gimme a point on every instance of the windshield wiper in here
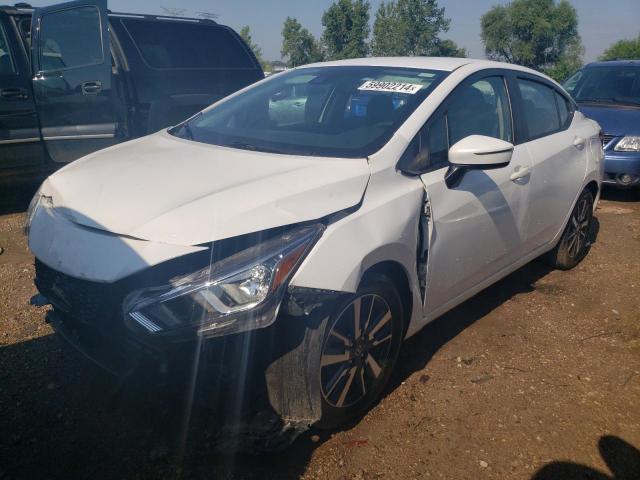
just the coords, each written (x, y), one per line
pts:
(252, 147)
(626, 101)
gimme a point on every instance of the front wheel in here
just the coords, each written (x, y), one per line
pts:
(360, 348)
(575, 242)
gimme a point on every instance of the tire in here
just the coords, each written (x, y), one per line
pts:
(575, 242)
(354, 369)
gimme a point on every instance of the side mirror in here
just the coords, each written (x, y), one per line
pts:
(476, 152)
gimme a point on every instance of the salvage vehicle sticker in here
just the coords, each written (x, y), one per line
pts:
(375, 86)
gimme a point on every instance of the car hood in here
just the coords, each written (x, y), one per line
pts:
(614, 120)
(166, 189)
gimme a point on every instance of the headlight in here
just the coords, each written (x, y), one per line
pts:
(242, 292)
(31, 212)
(628, 144)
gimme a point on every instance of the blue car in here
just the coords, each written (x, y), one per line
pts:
(609, 93)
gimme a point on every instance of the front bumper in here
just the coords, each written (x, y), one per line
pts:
(262, 384)
(622, 169)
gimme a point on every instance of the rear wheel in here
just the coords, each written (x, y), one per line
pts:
(360, 348)
(575, 242)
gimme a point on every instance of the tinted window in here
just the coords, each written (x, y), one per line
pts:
(187, 45)
(481, 108)
(437, 141)
(6, 61)
(540, 110)
(70, 38)
(565, 109)
(328, 111)
(606, 84)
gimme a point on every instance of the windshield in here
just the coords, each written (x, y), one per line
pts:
(324, 111)
(612, 85)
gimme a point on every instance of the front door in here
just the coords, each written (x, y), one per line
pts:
(20, 144)
(478, 226)
(72, 66)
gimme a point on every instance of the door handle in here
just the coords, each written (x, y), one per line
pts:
(91, 88)
(14, 93)
(579, 143)
(520, 172)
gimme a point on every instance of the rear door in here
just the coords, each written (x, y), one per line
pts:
(72, 78)
(20, 144)
(558, 151)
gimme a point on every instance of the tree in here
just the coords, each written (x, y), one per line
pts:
(448, 48)
(623, 50)
(409, 27)
(540, 34)
(245, 33)
(346, 29)
(298, 45)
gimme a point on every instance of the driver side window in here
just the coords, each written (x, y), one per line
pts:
(479, 108)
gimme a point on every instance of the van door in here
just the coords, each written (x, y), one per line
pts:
(20, 144)
(71, 60)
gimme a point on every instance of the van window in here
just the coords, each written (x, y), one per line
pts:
(6, 61)
(481, 108)
(166, 44)
(70, 38)
(539, 106)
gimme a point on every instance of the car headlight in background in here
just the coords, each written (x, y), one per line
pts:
(628, 144)
(239, 293)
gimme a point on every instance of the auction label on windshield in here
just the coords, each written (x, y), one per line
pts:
(375, 86)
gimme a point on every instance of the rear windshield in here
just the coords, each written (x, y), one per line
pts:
(171, 44)
(609, 85)
(324, 111)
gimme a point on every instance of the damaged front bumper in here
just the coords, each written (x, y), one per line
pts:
(263, 385)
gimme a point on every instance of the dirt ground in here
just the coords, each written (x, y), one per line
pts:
(537, 377)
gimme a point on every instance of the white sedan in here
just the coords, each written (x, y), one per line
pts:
(292, 235)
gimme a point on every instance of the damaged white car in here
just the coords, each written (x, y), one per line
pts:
(280, 245)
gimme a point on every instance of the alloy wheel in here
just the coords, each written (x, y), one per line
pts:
(356, 350)
(579, 228)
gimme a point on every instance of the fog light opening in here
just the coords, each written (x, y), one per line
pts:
(627, 179)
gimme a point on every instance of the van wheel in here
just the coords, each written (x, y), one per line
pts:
(575, 242)
(360, 348)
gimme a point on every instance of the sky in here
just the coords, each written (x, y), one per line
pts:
(598, 27)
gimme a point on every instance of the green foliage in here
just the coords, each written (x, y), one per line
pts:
(540, 34)
(346, 28)
(245, 33)
(448, 48)
(623, 49)
(410, 27)
(299, 47)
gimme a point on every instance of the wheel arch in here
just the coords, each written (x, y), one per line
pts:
(398, 275)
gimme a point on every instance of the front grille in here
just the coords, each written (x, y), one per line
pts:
(606, 139)
(92, 303)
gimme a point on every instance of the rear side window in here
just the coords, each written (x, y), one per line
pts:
(540, 108)
(6, 61)
(176, 45)
(70, 38)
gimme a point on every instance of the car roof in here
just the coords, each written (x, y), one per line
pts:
(614, 63)
(447, 64)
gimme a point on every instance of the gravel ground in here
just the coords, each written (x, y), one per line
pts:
(537, 377)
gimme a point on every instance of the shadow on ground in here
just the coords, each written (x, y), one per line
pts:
(622, 458)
